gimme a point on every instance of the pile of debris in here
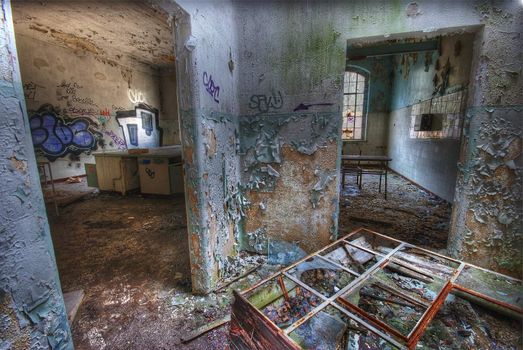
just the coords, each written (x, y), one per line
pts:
(291, 308)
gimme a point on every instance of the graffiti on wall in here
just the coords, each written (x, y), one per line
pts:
(68, 91)
(305, 107)
(136, 96)
(265, 103)
(104, 118)
(117, 140)
(55, 136)
(140, 127)
(211, 87)
(30, 90)
(151, 173)
(82, 111)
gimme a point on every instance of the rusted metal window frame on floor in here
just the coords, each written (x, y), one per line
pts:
(373, 325)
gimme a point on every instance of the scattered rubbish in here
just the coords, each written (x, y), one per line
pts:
(225, 285)
(409, 214)
(73, 179)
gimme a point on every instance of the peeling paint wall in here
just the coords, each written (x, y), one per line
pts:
(257, 65)
(291, 80)
(287, 58)
(289, 172)
(206, 67)
(489, 190)
(487, 218)
(419, 76)
(495, 84)
(32, 312)
(82, 84)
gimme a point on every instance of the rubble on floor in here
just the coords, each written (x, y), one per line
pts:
(130, 256)
(409, 214)
(134, 298)
(368, 291)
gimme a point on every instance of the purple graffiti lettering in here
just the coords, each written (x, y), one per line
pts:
(118, 141)
(264, 103)
(305, 107)
(211, 88)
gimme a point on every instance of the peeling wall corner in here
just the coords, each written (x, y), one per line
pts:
(258, 240)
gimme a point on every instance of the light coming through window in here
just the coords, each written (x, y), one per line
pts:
(354, 103)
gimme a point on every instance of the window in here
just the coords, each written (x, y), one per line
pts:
(354, 105)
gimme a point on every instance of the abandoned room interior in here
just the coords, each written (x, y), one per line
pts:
(234, 174)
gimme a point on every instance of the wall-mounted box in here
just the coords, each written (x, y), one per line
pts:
(430, 122)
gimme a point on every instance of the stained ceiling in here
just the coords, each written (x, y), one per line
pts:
(111, 30)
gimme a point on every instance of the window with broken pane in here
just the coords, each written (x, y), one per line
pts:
(354, 105)
(370, 291)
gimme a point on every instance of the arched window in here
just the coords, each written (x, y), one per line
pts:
(355, 91)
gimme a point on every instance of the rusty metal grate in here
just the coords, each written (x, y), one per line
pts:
(317, 299)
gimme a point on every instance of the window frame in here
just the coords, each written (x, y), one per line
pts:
(366, 89)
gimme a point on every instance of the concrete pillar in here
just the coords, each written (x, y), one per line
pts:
(32, 311)
(206, 78)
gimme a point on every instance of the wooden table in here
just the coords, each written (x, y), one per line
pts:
(380, 163)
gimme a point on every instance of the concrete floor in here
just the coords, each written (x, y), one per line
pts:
(409, 213)
(130, 256)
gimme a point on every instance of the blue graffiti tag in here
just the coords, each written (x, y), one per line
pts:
(54, 137)
(211, 88)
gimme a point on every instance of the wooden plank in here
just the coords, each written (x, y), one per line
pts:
(72, 301)
(251, 330)
(206, 328)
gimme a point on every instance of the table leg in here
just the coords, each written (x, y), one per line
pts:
(386, 173)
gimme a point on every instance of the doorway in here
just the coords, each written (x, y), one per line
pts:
(414, 97)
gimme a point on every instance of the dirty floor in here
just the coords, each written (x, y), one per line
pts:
(130, 256)
(409, 213)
